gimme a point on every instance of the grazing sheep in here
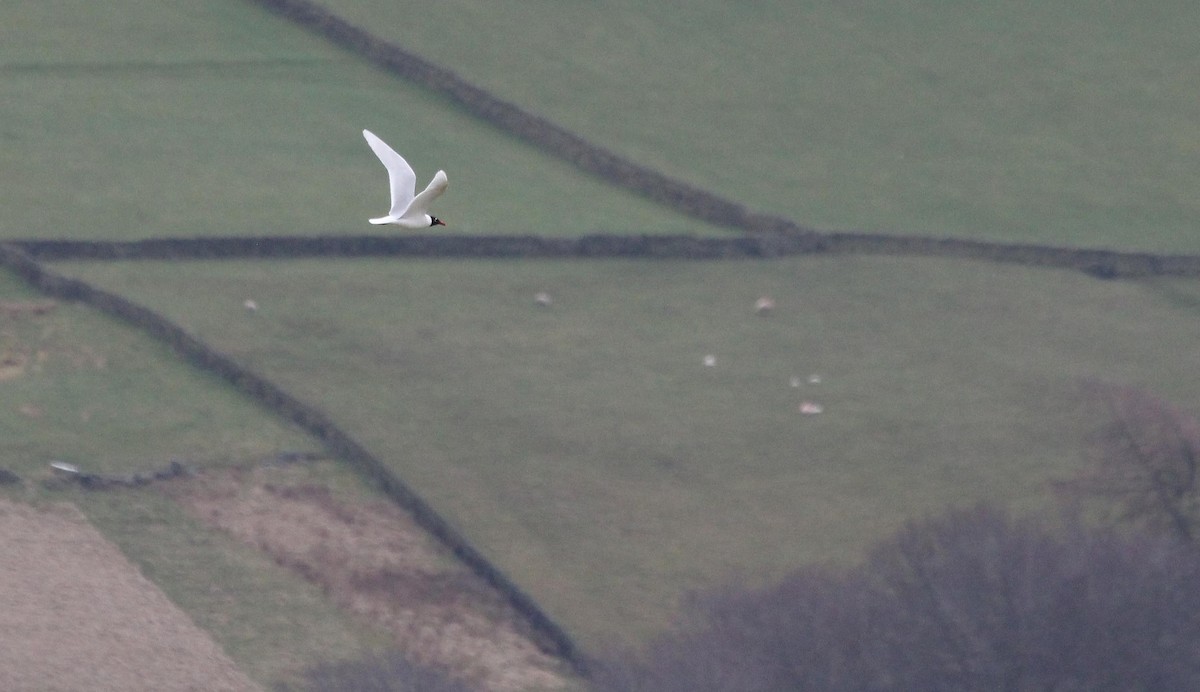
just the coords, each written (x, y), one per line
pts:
(764, 305)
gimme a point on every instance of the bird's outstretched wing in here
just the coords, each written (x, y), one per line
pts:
(420, 204)
(401, 177)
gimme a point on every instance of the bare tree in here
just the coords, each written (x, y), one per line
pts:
(1143, 463)
(974, 600)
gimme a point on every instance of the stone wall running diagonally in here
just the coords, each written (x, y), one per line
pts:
(550, 636)
(623, 172)
(540, 132)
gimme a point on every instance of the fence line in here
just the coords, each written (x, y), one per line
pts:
(191, 349)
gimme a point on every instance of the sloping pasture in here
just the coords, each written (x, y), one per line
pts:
(145, 119)
(1071, 123)
(82, 389)
(585, 446)
(78, 388)
(591, 454)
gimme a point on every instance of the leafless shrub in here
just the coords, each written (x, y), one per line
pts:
(974, 600)
(1142, 463)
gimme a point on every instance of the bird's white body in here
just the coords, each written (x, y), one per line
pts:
(409, 210)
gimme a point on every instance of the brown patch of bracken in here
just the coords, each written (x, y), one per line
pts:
(374, 561)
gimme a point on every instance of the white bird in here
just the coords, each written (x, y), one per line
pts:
(408, 210)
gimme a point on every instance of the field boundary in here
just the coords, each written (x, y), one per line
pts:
(763, 236)
(1105, 264)
(681, 196)
(549, 635)
(543, 134)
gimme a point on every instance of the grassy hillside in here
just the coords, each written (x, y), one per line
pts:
(590, 452)
(142, 119)
(585, 447)
(102, 396)
(1068, 123)
(81, 389)
(269, 620)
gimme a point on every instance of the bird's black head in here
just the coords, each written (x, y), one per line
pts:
(436, 221)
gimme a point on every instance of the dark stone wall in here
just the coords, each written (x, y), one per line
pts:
(340, 444)
(1106, 264)
(788, 236)
(541, 133)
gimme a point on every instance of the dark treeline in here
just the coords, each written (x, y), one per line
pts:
(1144, 464)
(974, 600)
(1107, 599)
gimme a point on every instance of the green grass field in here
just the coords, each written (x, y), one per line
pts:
(1069, 123)
(584, 447)
(1034, 125)
(589, 452)
(225, 120)
(81, 389)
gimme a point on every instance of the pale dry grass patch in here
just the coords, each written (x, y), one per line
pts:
(374, 561)
(78, 616)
